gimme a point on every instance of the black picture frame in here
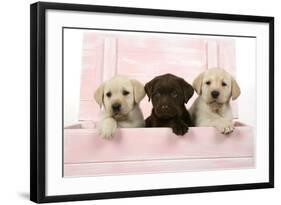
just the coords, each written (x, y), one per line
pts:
(38, 100)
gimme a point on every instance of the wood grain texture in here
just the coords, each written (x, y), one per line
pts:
(85, 146)
(155, 150)
(155, 166)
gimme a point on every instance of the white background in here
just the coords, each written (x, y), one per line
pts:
(14, 62)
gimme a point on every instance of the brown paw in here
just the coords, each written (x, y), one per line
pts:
(180, 128)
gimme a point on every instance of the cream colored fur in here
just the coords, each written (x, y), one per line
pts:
(207, 111)
(130, 114)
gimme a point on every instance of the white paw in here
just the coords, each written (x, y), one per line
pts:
(107, 129)
(226, 128)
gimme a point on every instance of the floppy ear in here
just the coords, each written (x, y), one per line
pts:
(139, 92)
(99, 95)
(188, 90)
(235, 89)
(149, 87)
(197, 83)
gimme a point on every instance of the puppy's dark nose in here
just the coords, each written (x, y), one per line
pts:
(164, 107)
(116, 107)
(215, 94)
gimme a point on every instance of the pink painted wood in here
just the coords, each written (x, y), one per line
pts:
(155, 149)
(155, 166)
(105, 55)
(160, 143)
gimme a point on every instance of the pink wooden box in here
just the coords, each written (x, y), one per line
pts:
(151, 150)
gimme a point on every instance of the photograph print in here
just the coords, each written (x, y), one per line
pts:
(129, 102)
(145, 102)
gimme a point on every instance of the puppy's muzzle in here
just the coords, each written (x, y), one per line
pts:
(165, 111)
(116, 107)
(215, 94)
(164, 107)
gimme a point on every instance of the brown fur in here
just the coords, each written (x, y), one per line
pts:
(169, 94)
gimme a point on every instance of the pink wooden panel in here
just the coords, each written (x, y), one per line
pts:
(155, 63)
(91, 76)
(85, 146)
(189, 54)
(155, 166)
(141, 43)
(155, 150)
(143, 57)
(110, 58)
(212, 53)
(227, 56)
(90, 110)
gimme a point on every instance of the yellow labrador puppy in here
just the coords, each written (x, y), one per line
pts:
(215, 87)
(120, 97)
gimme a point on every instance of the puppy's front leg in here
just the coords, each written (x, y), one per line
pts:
(107, 127)
(148, 122)
(179, 127)
(225, 126)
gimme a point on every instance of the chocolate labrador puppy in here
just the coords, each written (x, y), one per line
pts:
(168, 94)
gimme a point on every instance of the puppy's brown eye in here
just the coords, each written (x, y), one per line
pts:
(208, 83)
(125, 92)
(108, 94)
(223, 84)
(157, 94)
(174, 94)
